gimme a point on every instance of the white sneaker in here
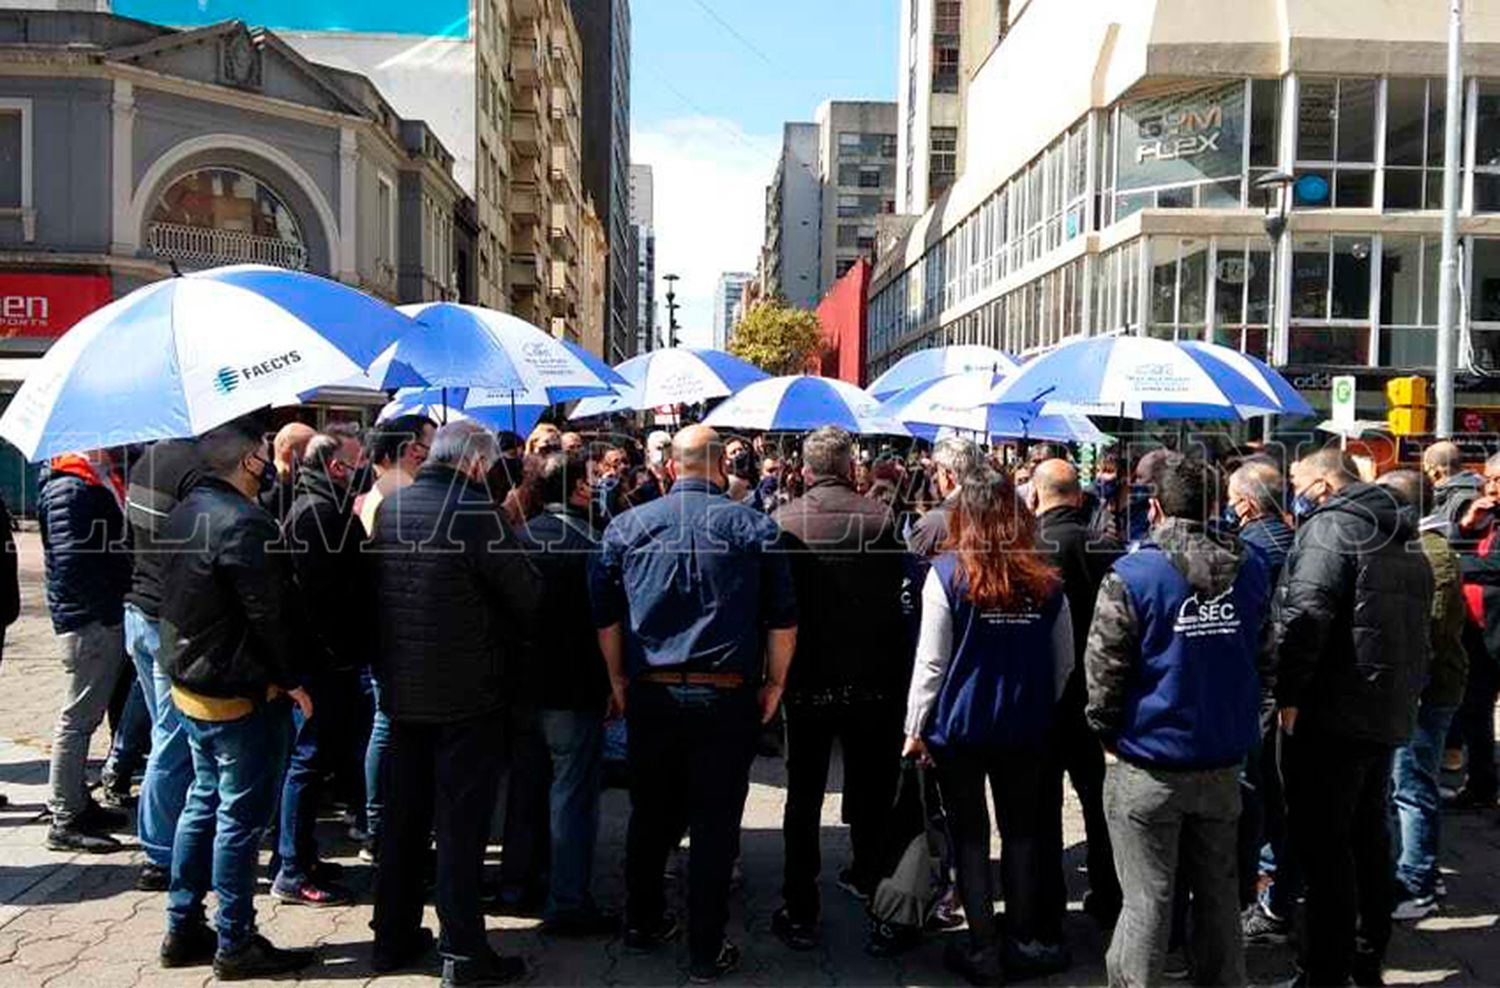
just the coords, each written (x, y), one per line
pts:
(1415, 907)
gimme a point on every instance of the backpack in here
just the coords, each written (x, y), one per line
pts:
(916, 876)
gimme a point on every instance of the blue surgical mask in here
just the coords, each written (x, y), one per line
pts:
(1302, 506)
(1107, 489)
(1139, 512)
(1229, 519)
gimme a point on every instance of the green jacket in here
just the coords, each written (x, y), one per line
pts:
(1450, 662)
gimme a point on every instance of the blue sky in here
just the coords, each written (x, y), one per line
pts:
(712, 83)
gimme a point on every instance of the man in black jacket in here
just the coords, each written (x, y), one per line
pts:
(1063, 530)
(848, 675)
(571, 688)
(324, 540)
(227, 646)
(1351, 631)
(456, 604)
(953, 460)
(88, 571)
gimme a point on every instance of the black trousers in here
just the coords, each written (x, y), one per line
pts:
(1083, 759)
(528, 828)
(869, 736)
(1475, 720)
(1028, 808)
(689, 759)
(443, 778)
(1338, 793)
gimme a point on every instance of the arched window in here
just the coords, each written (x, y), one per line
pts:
(213, 216)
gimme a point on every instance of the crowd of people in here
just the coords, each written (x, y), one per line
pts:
(1251, 669)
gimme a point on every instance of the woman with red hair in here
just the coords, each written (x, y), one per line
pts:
(995, 650)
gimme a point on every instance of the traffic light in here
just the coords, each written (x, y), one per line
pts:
(1406, 400)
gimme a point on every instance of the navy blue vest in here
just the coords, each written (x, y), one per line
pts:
(1001, 689)
(1193, 701)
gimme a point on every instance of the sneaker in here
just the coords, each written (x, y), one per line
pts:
(388, 957)
(76, 839)
(1177, 967)
(665, 931)
(589, 923)
(948, 914)
(1412, 907)
(891, 939)
(116, 797)
(700, 973)
(259, 959)
(367, 853)
(492, 970)
(102, 820)
(1259, 926)
(153, 878)
(190, 947)
(854, 885)
(309, 893)
(796, 935)
(1034, 959)
(1440, 888)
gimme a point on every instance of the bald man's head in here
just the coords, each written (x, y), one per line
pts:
(1442, 460)
(1056, 485)
(697, 451)
(289, 445)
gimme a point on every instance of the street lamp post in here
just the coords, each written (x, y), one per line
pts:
(672, 307)
(1276, 193)
(1448, 282)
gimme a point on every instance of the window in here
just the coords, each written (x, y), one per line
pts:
(1181, 150)
(1331, 286)
(850, 139)
(1178, 288)
(944, 68)
(943, 163)
(221, 216)
(1242, 294)
(871, 177)
(1415, 113)
(1409, 269)
(1336, 143)
(1487, 148)
(385, 220)
(12, 161)
(948, 17)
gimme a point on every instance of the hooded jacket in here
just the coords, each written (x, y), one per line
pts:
(1353, 619)
(1451, 497)
(1178, 649)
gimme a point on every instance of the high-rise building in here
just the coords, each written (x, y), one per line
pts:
(642, 223)
(794, 221)
(727, 296)
(593, 277)
(857, 175)
(928, 107)
(604, 26)
(545, 281)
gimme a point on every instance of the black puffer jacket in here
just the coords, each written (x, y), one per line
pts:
(847, 566)
(224, 624)
(83, 541)
(458, 604)
(1352, 615)
(330, 574)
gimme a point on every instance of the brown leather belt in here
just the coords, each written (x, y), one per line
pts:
(717, 680)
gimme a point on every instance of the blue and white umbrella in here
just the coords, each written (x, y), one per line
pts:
(1289, 400)
(495, 408)
(1134, 377)
(462, 346)
(800, 403)
(927, 365)
(678, 376)
(183, 355)
(956, 401)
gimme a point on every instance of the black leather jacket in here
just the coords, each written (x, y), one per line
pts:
(224, 619)
(330, 573)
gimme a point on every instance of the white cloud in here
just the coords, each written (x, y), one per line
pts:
(710, 183)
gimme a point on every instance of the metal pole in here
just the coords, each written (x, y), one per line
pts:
(1448, 285)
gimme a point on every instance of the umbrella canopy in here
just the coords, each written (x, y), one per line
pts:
(542, 363)
(1134, 377)
(495, 408)
(678, 376)
(926, 365)
(183, 355)
(1289, 400)
(956, 401)
(800, 404)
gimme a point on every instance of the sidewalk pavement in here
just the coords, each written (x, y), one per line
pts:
(76, 919)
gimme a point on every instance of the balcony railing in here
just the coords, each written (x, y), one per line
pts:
(204, 247)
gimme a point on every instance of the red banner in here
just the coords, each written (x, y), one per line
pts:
(48, 304)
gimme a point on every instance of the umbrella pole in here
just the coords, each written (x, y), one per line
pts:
(513, 411)
(445, 406)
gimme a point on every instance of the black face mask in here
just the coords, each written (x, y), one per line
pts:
(266, 478)
(742, 465)
(362, 480)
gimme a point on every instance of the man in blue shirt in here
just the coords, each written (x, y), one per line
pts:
(697, 622)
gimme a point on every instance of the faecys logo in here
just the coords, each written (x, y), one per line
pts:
(227, 379)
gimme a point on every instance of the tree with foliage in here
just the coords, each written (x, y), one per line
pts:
(777, 338)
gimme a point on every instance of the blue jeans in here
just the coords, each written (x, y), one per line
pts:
(236, 773)
(315, 749)
(1416, 804)
(575, 740)
(131, 744)
(376, 756)
(169, 770)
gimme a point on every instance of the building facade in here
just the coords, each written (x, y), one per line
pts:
(604, 26)
(844, 315)
(789, 262)
(857, 150)
(729, 293)
(643, 229)
(1112, 191)
(546, 199)
(928, 109)
(593, 276)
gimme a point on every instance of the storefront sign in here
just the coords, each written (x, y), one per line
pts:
(48, 305)
(1187, 137)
